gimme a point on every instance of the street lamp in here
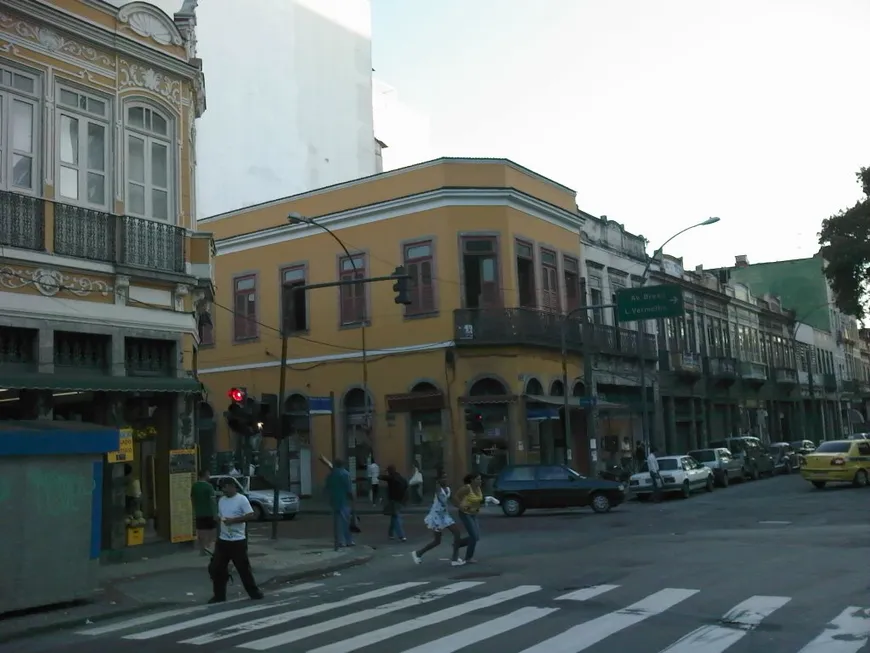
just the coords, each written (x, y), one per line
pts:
(641, 332)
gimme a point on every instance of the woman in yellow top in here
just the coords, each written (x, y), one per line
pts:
(469, 499)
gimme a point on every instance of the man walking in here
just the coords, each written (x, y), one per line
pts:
(339, 492)
(202, 498)
(374, 474)
(397, 490)
(652, 464)
(234, 510)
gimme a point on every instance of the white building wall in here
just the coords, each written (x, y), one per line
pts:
(289, 98)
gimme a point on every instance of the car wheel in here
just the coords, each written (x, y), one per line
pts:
(860, 479)
(709, 486)
(512, 507)
(687, 490)
(787, 469)
(753, 474)
(293, 516)
(258, 511)
(600, 503)
(643, 498)
(819, 484)
(725, 480)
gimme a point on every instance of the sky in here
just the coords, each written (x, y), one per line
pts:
(659, 113)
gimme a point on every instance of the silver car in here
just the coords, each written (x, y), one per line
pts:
(726, 468)
(261, 494)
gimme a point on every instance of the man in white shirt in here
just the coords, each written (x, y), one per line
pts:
(374, 474)
(234, 510)
(652, 464)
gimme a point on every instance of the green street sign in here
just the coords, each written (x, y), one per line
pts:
(649, 303)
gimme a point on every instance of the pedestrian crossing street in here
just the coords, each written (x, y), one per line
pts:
(444, 617)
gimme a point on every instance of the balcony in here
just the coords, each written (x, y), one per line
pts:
(722, 369)
(22, 221)
(829, 383)
(119, 239)
(494, 327)
(785, 376)
(685, 364)
(753, 373)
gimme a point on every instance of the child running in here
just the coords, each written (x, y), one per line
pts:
(438, 520)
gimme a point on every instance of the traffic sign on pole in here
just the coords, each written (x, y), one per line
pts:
(649, 303)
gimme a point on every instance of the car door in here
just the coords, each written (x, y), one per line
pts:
(864, 455)
(555, 487)
(730, 466)
(695, 472)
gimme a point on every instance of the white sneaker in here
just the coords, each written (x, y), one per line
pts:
(417, 559)
(457, 563)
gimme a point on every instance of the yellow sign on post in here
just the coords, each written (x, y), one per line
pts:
(124, 454)
(182, 473)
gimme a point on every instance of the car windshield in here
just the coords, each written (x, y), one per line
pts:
(704, 455)
(260, 483)
(833, 447)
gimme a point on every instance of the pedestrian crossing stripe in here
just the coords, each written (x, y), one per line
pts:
(848, 632)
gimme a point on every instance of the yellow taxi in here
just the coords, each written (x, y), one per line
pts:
(838, 461)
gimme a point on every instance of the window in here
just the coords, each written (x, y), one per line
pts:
(834, 447)
(149, 174)
(526, 275)
(19, 127)
(517, 474)
(550, 298)
(480, 272)
(294, 311)
(245, 308)
(419, 259)
(704, 455)
(353, 296)
(571, 279)
(206, 329)
(552, 474)
(83, 148)
(596, 298)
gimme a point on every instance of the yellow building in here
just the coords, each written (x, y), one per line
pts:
(101, 267)
(493, 250)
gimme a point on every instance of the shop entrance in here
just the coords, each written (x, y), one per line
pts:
(488, 428)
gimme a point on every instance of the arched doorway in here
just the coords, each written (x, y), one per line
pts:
(557, 389)
(490, 436)
(299, 444)
(357, 439)
(206, 428)
(427, 439)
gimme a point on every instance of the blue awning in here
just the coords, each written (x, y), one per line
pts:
(50, 438)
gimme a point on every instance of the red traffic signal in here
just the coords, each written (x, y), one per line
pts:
(237, 395)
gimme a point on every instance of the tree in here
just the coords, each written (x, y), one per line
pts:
(845, 241)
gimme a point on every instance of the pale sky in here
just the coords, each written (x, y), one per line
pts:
(659, 113)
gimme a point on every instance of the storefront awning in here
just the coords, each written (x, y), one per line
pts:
(415, 401)
(575, 402)
(60, 383)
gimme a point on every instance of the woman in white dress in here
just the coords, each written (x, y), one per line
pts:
(439, 520)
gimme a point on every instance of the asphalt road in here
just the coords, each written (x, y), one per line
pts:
(773, 566)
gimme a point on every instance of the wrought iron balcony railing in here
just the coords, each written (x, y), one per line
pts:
(722, 367)
(22, 221)
(786, 375)
(536, 328)
(751, 371)
(126, 240)
(685, 363)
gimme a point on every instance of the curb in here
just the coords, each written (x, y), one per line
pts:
(30, 632)
(362, 513)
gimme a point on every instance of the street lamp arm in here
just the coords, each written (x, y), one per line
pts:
(706, 222)
(298, 219)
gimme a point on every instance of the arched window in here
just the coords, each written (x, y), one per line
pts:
(148, 146)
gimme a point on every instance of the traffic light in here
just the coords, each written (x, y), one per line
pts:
(237, 395)
(242, 412)
(401, 286)
(268, 416)
(473, 420)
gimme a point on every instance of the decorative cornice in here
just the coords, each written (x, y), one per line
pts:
(134, 75)
(50, 282)
(148, 21)
(427, 201)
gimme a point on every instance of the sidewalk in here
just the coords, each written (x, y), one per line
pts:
(181, 578)
(318, 506)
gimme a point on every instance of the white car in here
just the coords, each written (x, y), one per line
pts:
(681, 474)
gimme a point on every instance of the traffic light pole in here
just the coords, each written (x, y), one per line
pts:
(282, 451)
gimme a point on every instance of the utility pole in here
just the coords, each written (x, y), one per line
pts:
(283, 446)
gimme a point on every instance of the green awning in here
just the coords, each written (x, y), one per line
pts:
(61, 383)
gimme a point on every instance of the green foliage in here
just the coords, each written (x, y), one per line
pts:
(845, 241)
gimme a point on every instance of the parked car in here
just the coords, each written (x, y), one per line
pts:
(681, 474)
(726, 468)
(785, 459)
(522, 487)
(859, 436)
(261, 494)
(757, 462)
(838, 461)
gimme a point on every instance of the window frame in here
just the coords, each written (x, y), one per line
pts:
(209, 308)
(84, 118)
(554, 304)
(464, 238)
(150, 138)
(418, 309)
(566, 258)
(253, 322)
(363, 305)
(531, 258)
(8, 95)
(282, 271)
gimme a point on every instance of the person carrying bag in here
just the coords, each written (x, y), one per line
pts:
(415, 485)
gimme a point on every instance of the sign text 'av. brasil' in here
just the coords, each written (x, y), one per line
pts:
(649, 303)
